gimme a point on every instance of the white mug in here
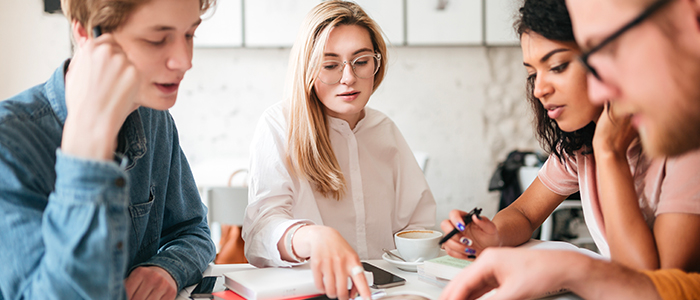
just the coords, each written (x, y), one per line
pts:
(418, 245)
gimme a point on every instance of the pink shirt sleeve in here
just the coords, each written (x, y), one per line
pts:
(680, 190)
(560, 177)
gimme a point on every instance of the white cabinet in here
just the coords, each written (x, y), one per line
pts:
(389, 15)
(222, 26)
(500, 15)
(274, 23)
(444, 22)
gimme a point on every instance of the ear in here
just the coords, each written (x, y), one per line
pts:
(80, 35)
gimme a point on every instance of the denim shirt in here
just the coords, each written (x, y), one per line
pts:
(73, 228)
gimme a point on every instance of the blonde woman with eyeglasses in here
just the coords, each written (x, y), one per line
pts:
(332, 180)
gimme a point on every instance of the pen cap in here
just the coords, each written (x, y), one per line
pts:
(96, 32)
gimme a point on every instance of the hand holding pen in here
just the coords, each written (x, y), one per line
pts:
(467, 219)
(473, 233)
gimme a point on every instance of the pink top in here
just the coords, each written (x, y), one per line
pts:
(664, 185)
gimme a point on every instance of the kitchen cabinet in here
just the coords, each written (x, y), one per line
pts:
(221, 26)
(274, 23)
(389, 14)
(444, 22)
(500, 15)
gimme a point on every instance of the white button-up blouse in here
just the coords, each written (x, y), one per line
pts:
(386, 190)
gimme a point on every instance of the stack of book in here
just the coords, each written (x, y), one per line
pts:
(273, 284)
(231, 295)
(440, 270)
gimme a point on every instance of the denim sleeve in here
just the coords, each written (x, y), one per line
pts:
(186, 246)
(71, 245)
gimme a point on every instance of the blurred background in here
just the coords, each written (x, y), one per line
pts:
(455, 84)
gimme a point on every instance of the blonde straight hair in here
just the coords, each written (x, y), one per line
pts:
(309, 150)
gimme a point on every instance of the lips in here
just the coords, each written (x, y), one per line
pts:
(554, 112)
(349, 96)
(168, 88)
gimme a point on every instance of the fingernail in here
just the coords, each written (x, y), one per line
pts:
(470, 251)
(460, 226)
(471, 256)
(465, 241)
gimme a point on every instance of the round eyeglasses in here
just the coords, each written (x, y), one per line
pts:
(364, 66)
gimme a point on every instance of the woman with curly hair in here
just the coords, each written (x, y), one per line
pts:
(634, 206)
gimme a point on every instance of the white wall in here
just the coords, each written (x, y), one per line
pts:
(464, 106)
(33, 44)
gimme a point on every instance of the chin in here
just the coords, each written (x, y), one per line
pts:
(669, 142)
(349, 108)
(568, 128)
(573, 125)
(160, 102)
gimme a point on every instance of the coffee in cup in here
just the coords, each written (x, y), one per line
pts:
(418, 245)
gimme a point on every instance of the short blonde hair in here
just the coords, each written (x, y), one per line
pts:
(108, 14)
(309, 148)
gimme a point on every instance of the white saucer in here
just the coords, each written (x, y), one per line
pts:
(406, 266)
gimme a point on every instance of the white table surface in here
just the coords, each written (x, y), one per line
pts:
(413, 284)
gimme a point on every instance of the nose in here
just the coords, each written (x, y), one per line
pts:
(600, 92)
(180, 57)
(542, 87)
(348, 75)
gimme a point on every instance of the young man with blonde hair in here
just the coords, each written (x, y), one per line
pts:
(97, 200)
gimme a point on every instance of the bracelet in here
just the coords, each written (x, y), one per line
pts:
(290, 236)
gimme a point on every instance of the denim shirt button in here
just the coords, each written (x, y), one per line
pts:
(119, 245)
(120, 182)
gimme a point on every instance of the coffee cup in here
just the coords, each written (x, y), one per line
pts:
(418, 245)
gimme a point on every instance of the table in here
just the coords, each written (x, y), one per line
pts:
(413, 284)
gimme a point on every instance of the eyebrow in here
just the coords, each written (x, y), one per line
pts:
(168, 28)
(354, 53)
(549, 55)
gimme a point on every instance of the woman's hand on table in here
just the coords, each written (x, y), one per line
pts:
(472, 238)
(332, 261)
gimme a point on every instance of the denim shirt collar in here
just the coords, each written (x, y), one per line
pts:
(55, 89)
(132, 138)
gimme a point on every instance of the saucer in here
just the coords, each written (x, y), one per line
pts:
(406, 266)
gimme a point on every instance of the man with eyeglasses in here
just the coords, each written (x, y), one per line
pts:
(643, 56)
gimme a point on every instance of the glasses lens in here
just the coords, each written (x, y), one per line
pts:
(331, 71)
(365, 66)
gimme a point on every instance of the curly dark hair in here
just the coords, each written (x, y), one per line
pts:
(550, 19)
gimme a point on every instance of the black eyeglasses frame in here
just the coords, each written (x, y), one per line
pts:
(636, 21)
